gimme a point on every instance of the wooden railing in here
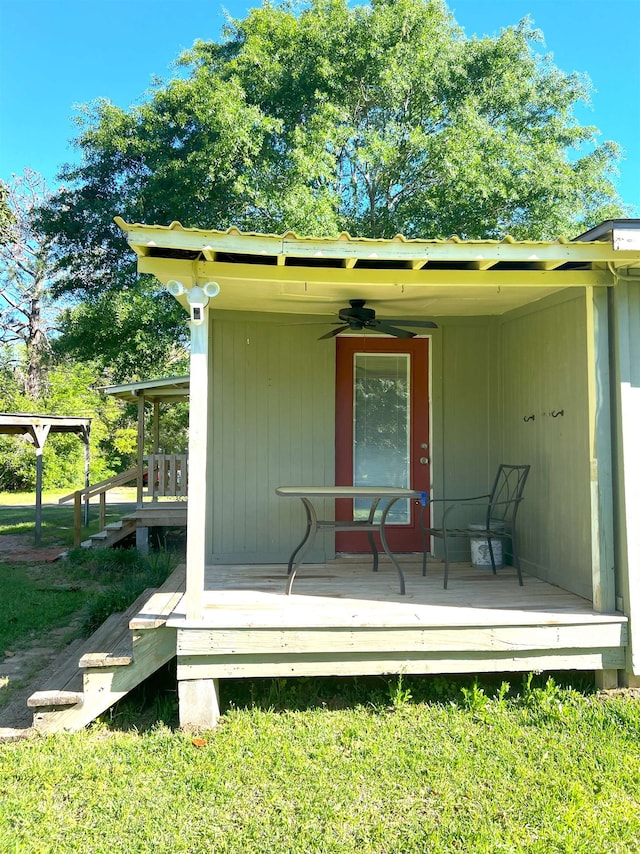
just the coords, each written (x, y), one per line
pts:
(89, 492)
(167, 475)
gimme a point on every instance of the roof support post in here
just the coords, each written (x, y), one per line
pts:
(197, 490)
(600, 468)
(85, 435)
(39, 433)
(625, 298)
(140, 460)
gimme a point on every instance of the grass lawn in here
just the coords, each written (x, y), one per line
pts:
(17, 516)
(384, 765)
(341, 766)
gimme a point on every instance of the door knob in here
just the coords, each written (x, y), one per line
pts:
(424, 460)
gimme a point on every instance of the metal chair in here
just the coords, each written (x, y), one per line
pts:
(502, 505)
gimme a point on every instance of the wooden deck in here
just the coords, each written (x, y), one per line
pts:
(342, 619)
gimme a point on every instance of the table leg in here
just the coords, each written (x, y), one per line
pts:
(372, 543)
(385, 545)
(306, 543)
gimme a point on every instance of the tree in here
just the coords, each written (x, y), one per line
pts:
(7, 218)
(26, 274)
(378, 120)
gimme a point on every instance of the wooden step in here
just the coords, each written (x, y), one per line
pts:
(113, 533)
(109, 646)
(112, 645)
(64, 686)
(53, 699)
(161, 605)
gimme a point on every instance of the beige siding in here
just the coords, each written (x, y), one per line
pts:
(463, 397)
(544, 370)
(272, 424)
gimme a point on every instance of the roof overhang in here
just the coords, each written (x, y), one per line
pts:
(166, 390)
(308, 275)
(23, 424)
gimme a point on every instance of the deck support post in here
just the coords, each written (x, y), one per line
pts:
(142, 539)
(199, 703)
(606, 680)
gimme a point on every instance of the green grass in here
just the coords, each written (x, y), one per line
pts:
(34, 602)
(484, 769)
(364, 765)
(17, 516)
(95, 583)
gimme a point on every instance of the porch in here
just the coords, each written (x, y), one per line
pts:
(341, 620)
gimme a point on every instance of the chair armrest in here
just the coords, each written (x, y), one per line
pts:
(457, 500)
(457, 505)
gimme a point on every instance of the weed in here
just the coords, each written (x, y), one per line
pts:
(475, 699)
(398, 694)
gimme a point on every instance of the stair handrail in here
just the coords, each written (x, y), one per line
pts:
(88, 492)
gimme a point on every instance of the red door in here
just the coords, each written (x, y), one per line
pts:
(382, 431)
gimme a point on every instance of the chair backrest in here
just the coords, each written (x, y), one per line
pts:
(506, 495)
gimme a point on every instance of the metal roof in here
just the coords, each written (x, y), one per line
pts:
(289, 273)
(168, 389)
(21, 423)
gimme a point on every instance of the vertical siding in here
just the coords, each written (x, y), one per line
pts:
(464, 382)
(544, 370)
(272, 424)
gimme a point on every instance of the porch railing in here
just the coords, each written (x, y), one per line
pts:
(167, 476)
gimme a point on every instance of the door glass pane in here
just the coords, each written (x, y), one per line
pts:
(381, 427)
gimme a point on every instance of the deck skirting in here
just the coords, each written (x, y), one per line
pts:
(215, 653)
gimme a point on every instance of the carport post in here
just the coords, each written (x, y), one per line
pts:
(39, 434)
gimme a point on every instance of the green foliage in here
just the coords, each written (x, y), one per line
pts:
(138, 333)
(7, 217)
(128, 574)
(68, 390)
(374, 119)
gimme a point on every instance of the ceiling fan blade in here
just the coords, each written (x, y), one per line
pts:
(332, 333)
(381, 326)
(424, 324)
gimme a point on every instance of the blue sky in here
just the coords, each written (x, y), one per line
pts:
(58, 54)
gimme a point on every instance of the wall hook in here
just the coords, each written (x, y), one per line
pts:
(529, 418)
(557, 412)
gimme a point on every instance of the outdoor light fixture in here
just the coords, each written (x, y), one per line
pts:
(212, 289)
(176, 289)
(197, 297)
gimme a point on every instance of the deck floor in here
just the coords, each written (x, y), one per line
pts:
(343, 619)
(347, 593)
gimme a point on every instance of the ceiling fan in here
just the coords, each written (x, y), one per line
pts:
(357, 318)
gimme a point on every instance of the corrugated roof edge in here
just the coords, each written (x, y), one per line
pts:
(343, 236)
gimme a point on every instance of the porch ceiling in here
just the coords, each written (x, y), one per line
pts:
(307, 275)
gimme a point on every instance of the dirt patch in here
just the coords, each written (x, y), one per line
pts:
(19, 548)
(26, 670)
